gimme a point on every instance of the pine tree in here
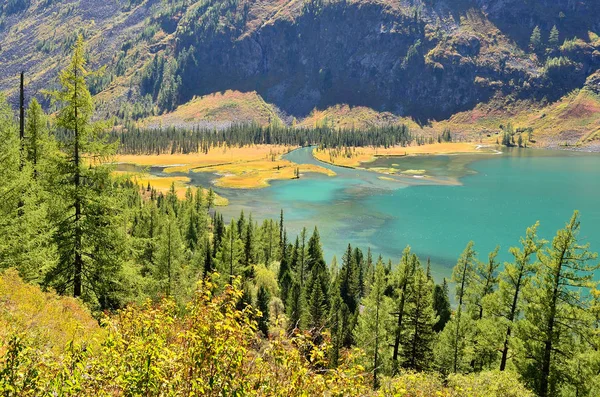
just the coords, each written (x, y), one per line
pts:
(555, 312)
(418, 336)
(88, 206)
(373, 333)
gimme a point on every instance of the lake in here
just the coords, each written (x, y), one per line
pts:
(490, 199)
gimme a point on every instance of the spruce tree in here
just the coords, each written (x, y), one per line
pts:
(402, 279)
(209, 265)
(554, 37)
(369, 272)
(336, 323)
(294, 306)
(349, 290)
(535, 40)
(441, 306)
(262, 302)
(317, 286)
(284, 277)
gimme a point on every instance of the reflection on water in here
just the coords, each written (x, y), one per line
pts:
(499, 196)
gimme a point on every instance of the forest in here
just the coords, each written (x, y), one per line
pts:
(169, 298)
(135, 140)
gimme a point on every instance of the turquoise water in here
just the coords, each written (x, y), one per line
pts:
(499, 197)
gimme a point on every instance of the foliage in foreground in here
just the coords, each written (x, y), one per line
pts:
(211, 349)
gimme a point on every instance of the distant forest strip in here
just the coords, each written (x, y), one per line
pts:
(134, 140)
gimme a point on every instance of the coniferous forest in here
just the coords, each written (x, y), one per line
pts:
(111, 289)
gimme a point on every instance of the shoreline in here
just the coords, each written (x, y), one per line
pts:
(366, 157)
(254, 171)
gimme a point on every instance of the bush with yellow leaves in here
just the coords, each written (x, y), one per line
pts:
(212, 349)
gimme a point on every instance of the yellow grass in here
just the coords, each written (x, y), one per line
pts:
(163, 184)
(367, 154)
(221, 107)
(257, 174)
(49, 321)
(242, 168)
(215, 156)
(347, 117)
(574, 118)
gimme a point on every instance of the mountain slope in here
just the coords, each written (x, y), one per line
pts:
(423, 59)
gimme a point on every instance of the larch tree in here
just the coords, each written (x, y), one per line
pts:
(40, 148)
(485, 336)
(169, 255)
(516, 276)
(418, 336)
(230, 254)
(454, 347)
(24, 232)
(87, 211)
(374, 329)
(556, 315)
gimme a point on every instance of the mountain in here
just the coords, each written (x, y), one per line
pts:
(427, 60)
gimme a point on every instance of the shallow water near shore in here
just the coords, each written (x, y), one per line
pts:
(488, 198)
